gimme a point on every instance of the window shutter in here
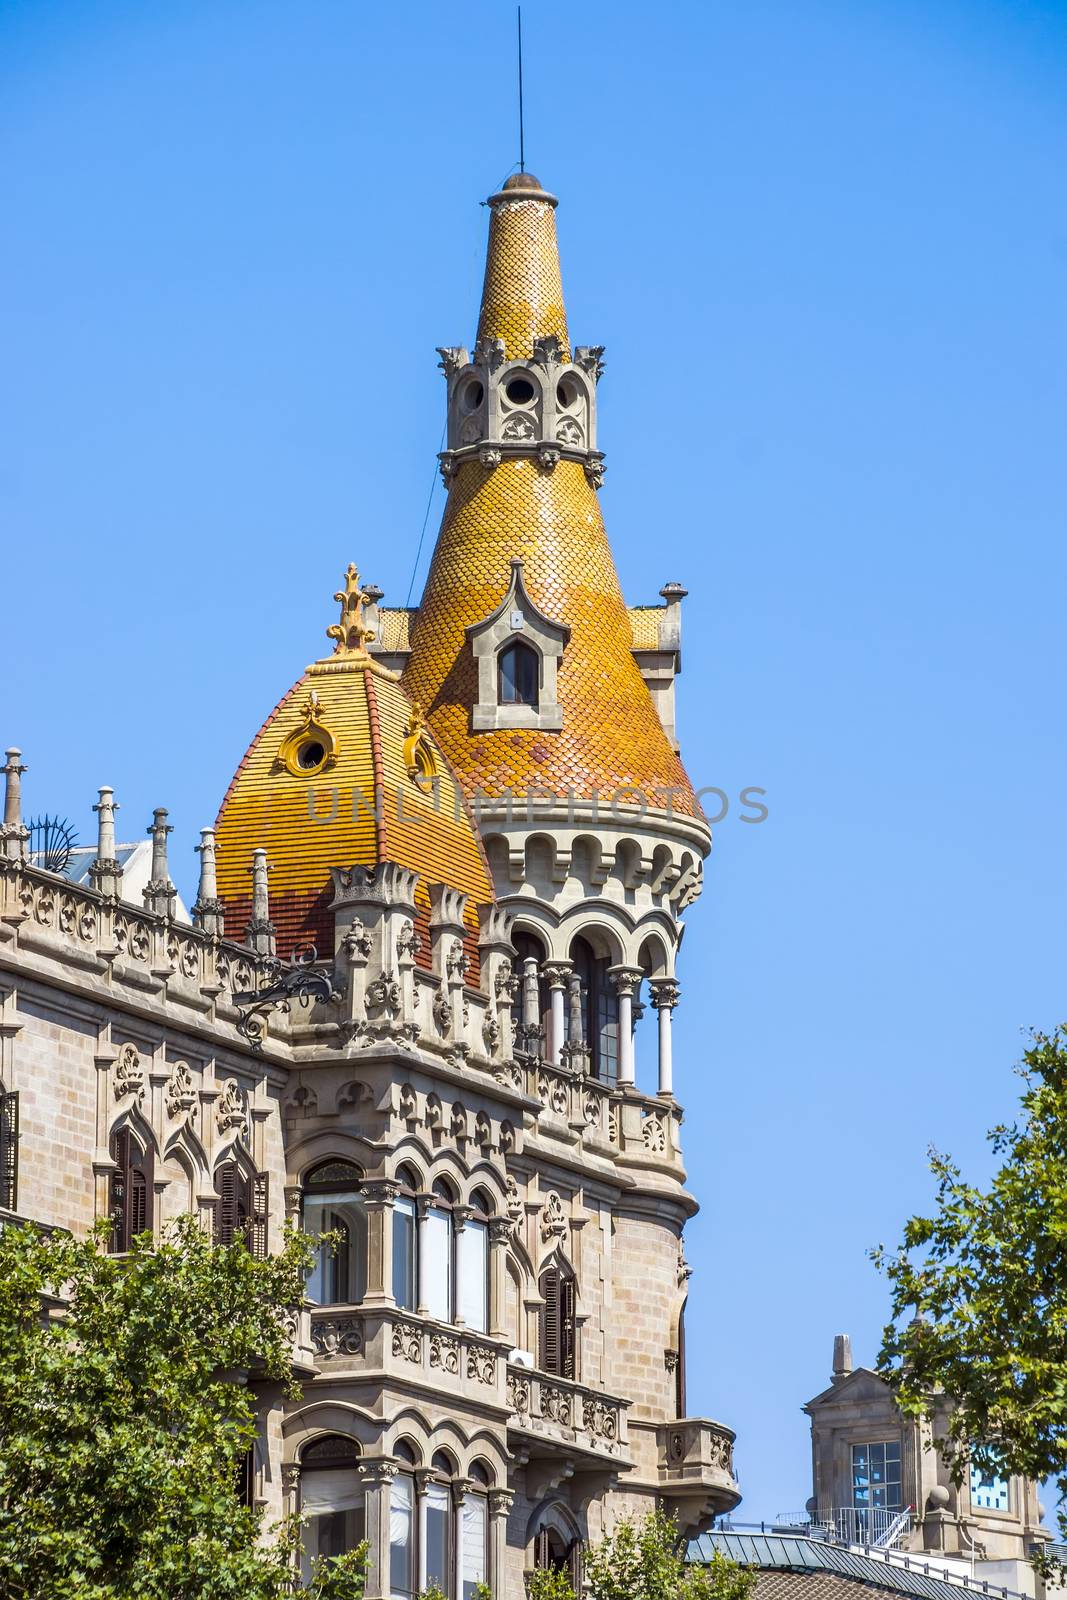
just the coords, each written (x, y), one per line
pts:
(260, 1200)
(137, 1209)
(9, 1151)
(226, 1204)
(574, 1565)
(542, 1551)
(119, 1191)
(550, 1329)
(566, 1328)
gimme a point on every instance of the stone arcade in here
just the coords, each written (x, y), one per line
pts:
(475, 812)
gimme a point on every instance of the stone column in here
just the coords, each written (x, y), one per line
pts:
(105, 874)
(290, 1488)
(500, 1232)
(500, 1503)
(259, 934)
(556, 975)
(207, 910)
(378, 1197)
(665, 993)
(377, 1479)
(531, 1006)
(13, 835)
(160, 893)
(626, 981)
(422, 1288)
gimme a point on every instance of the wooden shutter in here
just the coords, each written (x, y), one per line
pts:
(550, 1321)
(119, 1191)
(138, 1201)
(567, 1329)
(574, 1564)
(542, 1551)
(226, 1180)
(257, 1237)
(9, 1151)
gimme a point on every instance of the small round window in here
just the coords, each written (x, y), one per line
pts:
(473, 395)
(310, 755)
(520, 391)
(566, 393)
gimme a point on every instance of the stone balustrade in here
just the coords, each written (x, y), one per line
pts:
(348, 1338)
(560, 1410)
(696, 1469)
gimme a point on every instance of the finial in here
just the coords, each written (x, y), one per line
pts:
(208, 909)
(842, 1356)
(105, 874)
(160, 893)
(259, 934)
(13, 834)
(351, 632)
(416, 721)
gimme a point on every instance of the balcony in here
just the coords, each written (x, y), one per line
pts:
(563, 1430)
(696, 1471)
(377, 1342)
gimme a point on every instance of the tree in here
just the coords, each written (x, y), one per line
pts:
(124, 1419)
(979, 1292)
(646, 1561)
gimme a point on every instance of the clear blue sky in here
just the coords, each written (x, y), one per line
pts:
(824, 244)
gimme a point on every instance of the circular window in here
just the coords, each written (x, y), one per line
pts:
(566, 393)
(520, 391)
(310, 755)
(473, 395)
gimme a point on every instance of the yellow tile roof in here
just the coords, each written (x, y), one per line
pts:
(394, 628)
(522, 295)
(644, 626)
(308, 824)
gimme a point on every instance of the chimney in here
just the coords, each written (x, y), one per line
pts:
(842, 1357)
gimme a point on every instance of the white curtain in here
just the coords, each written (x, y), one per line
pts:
(401, 1543)
(473, 1565)
(473, 1252)
(435, 1251)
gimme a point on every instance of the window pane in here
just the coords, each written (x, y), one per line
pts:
(435, 1549)
(401, 1543)
(339, 1276)
(473, 1565)
(333, 1501)
(404, 1283)
(473, 1249)
(436, 1248)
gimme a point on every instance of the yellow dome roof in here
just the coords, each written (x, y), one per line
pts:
(611, 735)
(343, 773)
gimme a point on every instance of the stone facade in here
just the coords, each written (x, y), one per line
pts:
(493, 1360)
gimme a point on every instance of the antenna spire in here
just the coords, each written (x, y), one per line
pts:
(522, 130)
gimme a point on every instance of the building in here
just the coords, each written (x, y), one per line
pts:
(879, 1480)
(465, 839)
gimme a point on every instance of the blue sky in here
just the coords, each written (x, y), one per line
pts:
(824, 244)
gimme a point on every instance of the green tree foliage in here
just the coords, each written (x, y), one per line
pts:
(646, 1561)
(124, 1419)
(979, 1292)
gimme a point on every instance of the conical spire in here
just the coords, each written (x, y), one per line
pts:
(522, 470)
(522, 297)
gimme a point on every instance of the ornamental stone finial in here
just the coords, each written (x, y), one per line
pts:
(351, 632)
(208, 909)
(160, 894)
(105, 874)
(259, 934)
(13, 834)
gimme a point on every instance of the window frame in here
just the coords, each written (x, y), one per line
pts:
(248, 1206)
(313, 1459)
(526, 674)
(130, 1190)
(352, 1258)
(557, 1322)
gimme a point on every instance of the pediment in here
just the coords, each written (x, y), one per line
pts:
(517, 613)
(863, 1386)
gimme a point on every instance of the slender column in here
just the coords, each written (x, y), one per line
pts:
(377, 1479)
(14, 835)
(665, 994)
(556, 974)
(259, 934)
(500, 1232)
(160, 893)
(531, 1007)
(626, 981)
(207, 911)
(422, 1256)
(378, 1197)
(105, 874)
(500, 1503)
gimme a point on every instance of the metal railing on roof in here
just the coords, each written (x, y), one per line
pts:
(874, 1527)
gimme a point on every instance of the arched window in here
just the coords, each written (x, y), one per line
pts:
(528, 947)
(554, 1553)
(472, 1259)
(518, 672)
(474, 1532)
(558, 1331)
(437, 1253)
(332, 1205)
(406, 1241)
(130, 1190)
(437, 1561)
(241, 1207)
(402, 1526)
(436, 1537)
(600, 1011)
(332, 1499)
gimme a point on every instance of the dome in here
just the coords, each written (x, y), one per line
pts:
(344, 773)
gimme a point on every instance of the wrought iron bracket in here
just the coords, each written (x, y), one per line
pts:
(284, 982)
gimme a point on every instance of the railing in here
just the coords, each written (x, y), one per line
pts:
(400, 1341)
(874, 1527)
(559, 1408)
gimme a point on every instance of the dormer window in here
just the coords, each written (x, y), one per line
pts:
(517, 675)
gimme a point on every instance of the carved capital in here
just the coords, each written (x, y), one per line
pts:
(556, 973)
(501, 1502)
(664, 992)
(625, 980)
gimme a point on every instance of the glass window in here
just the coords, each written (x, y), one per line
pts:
(332, 1499)
(876, 1480)
(474, 1524)
(405, 1241)
(600, 1011)
(436, 1254)
(436, 1513)
(332, 1204)
(473, 1263)
(988, 1492)
(401, 1538)
(519, 670)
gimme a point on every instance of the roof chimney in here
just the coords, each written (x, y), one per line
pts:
(842, 1357)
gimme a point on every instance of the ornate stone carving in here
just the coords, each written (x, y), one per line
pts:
(553, 1218)
(336, 1336)
(459, 1128)
(519, 426)
(442, 1011)
(408, 942)
(456, 960)
(453, 359)
(506, 984)
(231, 1113)
(590, 357)
(180, 1097)
(552, 1092)
(654, 1134)
(490, 1032)
(385, 992)
(685, 1271)
(357, 941)
(408, 1105)
(547, 349)
(481, 1364)
(489, 457)
(594, 471)
(569, 432)
(506, 1140)
(490, 353)
(353, 1094)
(407, 1342)
(548, 457)
(670, 1360)
(483, 1132)
(444, 1352)
(557, 1404)
(518, 1393)
(600, 1419)
(129, 1074)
